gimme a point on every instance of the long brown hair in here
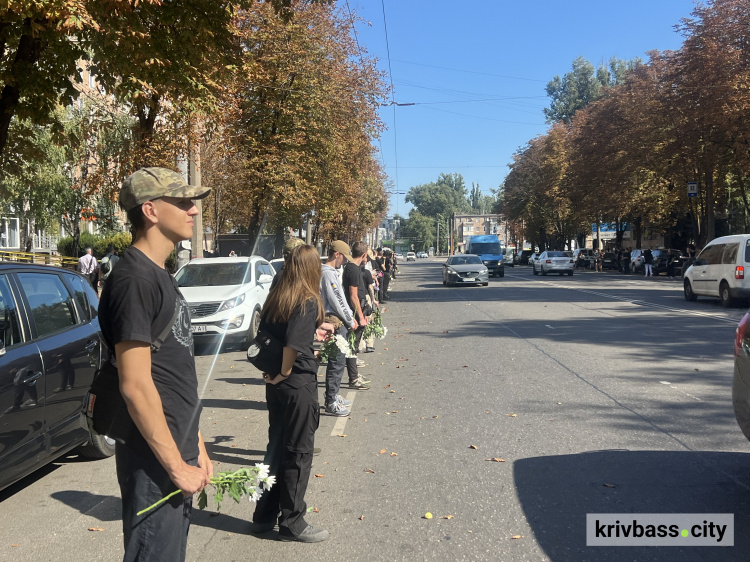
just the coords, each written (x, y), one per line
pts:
(300, 282)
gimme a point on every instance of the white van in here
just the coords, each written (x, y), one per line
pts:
(720, 270)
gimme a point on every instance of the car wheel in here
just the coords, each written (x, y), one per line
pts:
(726, 296)
(689, 294)
(542, 269)
(533, 270)
(98, 447)
(253, 331)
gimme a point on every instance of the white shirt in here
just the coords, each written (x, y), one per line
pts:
(87, 264)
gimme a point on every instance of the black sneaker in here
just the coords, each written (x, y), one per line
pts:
(310, 534)
(260, 528)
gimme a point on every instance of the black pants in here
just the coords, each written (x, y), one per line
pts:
(386, 282)
(293, 415)
(160, 534)
(351, 362)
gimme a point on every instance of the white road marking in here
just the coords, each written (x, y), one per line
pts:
(340, 425)
(548, 326)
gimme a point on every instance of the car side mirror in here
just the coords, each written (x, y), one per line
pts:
(265, 278)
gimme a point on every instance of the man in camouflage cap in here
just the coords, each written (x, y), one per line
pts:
(164, 449)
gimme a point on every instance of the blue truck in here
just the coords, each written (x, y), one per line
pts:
(489, 250)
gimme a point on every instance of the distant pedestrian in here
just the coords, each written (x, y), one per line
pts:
(598, 261)
(88, 266)
(232, 254)
(355, 293)
(626, 261)
(648, 260)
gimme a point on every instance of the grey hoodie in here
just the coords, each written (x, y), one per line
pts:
(333, 296)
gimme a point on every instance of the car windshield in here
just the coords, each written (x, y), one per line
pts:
(465, 260)
(486, 248)
(214, 274)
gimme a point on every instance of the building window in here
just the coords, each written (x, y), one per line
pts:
(9, 233)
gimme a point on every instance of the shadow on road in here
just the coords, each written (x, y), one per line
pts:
(103, 508)
(232, 404)
(557, 492)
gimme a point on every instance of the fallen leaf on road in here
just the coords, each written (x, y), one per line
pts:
(316, 510)
(512, 415)
(369, 471)
(465, 366)
(428, 515)
(394, 454)
(95, 529)
(385, 348)
(393, 391)
(559, 403)
(421, 418)
(343, 435)
(487, 412)
(609, 485)
(434, 417)
(517, 537)
(382, 451)
(320, 476)
(387, 413)
(14, 545)
(473, 447)
(495, 459)
(395, 411)
(234, 445)
(447, 517)
(387, 386)
(361, 517)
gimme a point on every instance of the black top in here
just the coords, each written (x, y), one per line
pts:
(298, 333)
(353, 278)
(366, 277)
(137, 303)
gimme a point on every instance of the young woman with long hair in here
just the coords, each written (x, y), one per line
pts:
(292, 313)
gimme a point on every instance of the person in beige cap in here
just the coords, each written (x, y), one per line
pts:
(164, 449)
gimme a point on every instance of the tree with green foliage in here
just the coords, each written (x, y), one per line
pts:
(445, 196)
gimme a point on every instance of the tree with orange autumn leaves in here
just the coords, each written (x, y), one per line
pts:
(293, 141)
(627, 156)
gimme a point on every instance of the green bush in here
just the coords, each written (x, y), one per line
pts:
(121, 241)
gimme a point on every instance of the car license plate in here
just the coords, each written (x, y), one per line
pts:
(198, 328)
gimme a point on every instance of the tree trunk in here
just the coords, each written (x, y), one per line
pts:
(279, 241)
(710, 218)
(638, 231)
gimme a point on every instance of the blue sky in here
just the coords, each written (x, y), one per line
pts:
(456, 53)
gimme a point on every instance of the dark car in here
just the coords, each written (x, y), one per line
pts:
(523, 257)
(609, 260)
(50, 350)
(668, 262)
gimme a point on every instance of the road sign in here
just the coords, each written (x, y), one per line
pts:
(692, 189)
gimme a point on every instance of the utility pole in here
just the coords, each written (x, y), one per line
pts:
(437, 244)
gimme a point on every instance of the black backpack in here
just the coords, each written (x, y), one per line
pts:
(106, 411)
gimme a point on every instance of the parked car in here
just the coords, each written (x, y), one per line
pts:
(741, 382)
(523, 257)
(465, 268)
(422, 254)
(719, 270)
(609, 260)
(667, 261)
(225, 296)
(553, 262)
(587, 257)
(411, 256)
(50, 350)
(399, 256)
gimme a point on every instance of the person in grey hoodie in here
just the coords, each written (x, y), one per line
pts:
(340, 315)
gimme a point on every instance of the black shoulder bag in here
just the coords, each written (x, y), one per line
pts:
(106, 411)
(266, 352)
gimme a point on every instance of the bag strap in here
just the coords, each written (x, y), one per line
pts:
(157, 343)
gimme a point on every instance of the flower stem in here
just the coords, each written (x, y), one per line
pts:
(161, 501)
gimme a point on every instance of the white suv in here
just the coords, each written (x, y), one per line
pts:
(411, 256)
(720, 270)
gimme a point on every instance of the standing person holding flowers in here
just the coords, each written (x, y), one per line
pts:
(164, 450)
(292, 313)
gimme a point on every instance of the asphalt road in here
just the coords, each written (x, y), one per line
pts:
(600, 393)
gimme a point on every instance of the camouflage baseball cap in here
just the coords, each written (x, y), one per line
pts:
(290, 245)
(148, 184)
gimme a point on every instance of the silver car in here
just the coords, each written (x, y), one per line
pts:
(465, 269)
(554, 262)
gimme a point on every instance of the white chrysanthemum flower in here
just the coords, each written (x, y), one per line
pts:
(262, 470)
(268, 482)
(254, 497)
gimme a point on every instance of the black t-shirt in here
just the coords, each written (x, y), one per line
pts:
(366, 277)
(138, 301)
(353, 278)
(299, 334)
